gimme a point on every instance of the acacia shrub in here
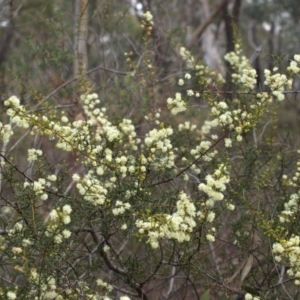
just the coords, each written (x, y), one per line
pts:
(173, 209)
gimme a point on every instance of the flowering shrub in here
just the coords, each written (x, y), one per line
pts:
(142, 214)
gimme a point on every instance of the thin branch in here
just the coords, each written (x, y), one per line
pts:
(171, 284)
(8, 33)
(191, 164)
(199, 31)
(214, 258)
(75, 79)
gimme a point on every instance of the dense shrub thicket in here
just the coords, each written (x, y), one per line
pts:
(165, 207)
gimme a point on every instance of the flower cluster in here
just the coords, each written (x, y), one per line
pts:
(290, 251)
(120, 208)
(148, 16)
(250, 297)
(186, 126)
(187, 57)
(160, 148)
(48, 286)
(38, 187)
(33, 154)
(293, 67)
(243, 74)
(290, 208)
(105, 287)
(105, 134)
(277, 82)
(177, 104)
(11, 295)
(147, 22)
(56, 220)
(215, 185)
(5, 132)
(49, 289)
(16, 112)
(91, 188)
(177, 226)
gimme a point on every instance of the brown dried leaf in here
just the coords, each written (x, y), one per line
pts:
(246, 269)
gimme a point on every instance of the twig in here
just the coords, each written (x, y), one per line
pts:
(75, 79)
(191, 164)
(171, 284)
(199, 31)
(213, 254)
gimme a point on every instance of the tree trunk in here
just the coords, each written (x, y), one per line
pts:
(208, 41)
(81, 35)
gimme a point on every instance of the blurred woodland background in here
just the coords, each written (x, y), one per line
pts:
(44, 45)
(42, 42)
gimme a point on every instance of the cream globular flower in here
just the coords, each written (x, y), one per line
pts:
(104, 285)
(148, 16)
(27, 242)
(293, 67)
(124, 227)
(124, 298)
(17, 112)
(215, 185)
(13, 101)
(66, 233)
(210, 238)
(66, 219)
(33, 154)
(11, 295)
(56, 220)
(16, 250)
(228, 142)
(106, 248)
(277, 83)
(239, 138)
(278, 248)
(210, 217)
(187, 56)
(44, 197)
(120, 208)
(187, 76)
(248, 296)
(38, 188)
(76, 177)
(177, 104)
(190, 93)
(186, 126)
(297, 58)
(52, 177)
(64, 119)
(5, 132)
(67, 209)
(230, 206)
